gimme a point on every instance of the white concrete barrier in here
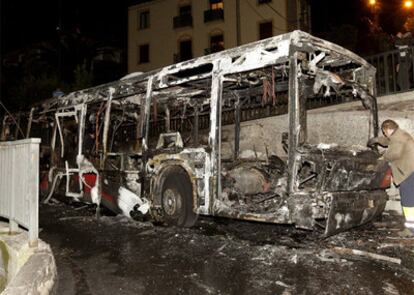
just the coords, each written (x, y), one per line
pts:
(19, 185)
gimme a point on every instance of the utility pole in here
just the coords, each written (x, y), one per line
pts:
(59, 32)
(238, 33)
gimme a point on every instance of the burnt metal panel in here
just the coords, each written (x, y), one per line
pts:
(350, 209)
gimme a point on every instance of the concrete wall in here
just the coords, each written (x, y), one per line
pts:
(346, 125)
(399, 107)
(343, 128)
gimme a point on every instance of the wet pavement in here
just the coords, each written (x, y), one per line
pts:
(116, 255)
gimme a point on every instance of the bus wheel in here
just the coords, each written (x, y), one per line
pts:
(176, 199)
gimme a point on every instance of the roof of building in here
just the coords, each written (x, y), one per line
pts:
(137, 2)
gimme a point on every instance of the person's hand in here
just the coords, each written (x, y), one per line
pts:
(373, 141)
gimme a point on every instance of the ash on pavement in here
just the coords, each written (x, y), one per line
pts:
(116, 255)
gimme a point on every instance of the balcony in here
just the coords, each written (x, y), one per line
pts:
(207, 51)
(179, 57)
(213, 49)
(213, 14)
(185, 20)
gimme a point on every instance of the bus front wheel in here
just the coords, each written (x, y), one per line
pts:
(177, 199)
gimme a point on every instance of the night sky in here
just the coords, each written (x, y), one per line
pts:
(26, 22)
(324, 16)
(327, 14)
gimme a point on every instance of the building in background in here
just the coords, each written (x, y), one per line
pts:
(163, 32)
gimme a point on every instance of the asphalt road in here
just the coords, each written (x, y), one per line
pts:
(115, 255)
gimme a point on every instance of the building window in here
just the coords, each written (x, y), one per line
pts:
(185, 10)
(143, 20)
(216, 43)
(265, 30)
(143, 53)
(186, 50)
(264, 1)
(184, 18)
(216, 4)
(215, 11)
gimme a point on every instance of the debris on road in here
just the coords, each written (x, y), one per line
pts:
(264, 259)
(347, 251)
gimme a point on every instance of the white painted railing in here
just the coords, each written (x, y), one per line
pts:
(19, 185)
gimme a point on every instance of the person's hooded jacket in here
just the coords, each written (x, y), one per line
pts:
(400, 154)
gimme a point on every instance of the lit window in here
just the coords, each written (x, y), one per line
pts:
(143, 53)
(216, 5)
(144, 20)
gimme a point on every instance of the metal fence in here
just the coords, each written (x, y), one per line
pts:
(394, 71)
(19, 185)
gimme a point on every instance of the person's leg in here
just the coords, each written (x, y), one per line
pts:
(405, 78)
(407, 201)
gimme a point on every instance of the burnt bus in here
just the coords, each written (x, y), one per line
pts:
(232, 134)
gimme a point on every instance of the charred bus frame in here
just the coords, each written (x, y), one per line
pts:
(175, 179)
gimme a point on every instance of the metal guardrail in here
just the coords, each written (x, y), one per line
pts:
(392, 78)
(19, 185)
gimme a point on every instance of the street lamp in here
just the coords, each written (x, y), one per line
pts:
(374, 5)
(408, 4)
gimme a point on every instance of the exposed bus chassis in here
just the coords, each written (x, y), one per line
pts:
(171, 143)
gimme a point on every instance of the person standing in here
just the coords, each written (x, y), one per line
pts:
(400, 155)
(404, 42)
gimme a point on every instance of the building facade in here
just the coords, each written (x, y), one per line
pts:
(163, 32)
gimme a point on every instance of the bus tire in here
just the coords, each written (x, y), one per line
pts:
(177, 199)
